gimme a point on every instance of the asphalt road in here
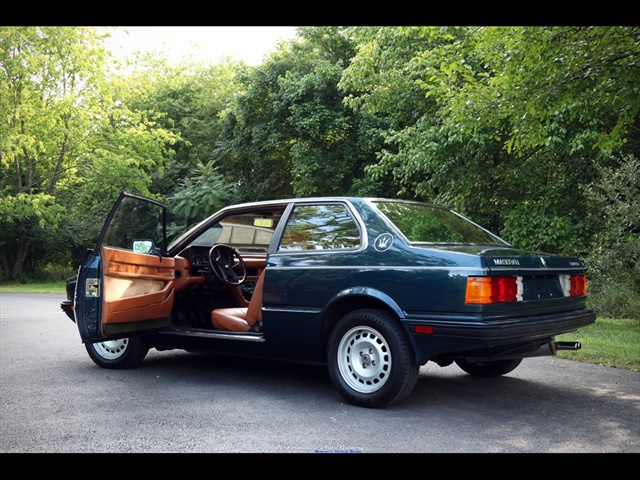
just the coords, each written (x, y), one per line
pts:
(55, 400)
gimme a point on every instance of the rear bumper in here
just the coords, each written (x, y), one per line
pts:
(466, 336)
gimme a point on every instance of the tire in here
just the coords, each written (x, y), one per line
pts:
(370, 360)
(489, 369)
(118, 354)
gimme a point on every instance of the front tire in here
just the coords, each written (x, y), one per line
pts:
(370, 360)
(118, 354)
(489, 369)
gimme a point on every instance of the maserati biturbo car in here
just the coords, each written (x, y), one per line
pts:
(372, 288)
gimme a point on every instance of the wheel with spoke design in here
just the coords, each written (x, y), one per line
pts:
(370, 360)
(118, 354)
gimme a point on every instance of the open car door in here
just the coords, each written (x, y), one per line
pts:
(125, 284)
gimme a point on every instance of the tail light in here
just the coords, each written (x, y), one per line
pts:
(574, 285)
(487, 290)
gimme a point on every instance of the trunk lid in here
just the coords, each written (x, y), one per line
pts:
(513, 261)
(540, 276)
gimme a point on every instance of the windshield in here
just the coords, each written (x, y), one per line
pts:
(423, 223)
(248, 232)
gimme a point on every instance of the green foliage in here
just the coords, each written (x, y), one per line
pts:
(49, 99)
(574, 75)
(197, 196)
(186, 100)
(289, 132)
(24, 207)
(503, 130)
(253, 147)
(545, 205)
(72, 138)
(614, 257)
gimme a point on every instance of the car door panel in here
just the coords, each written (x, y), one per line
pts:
(136, 286)
(126, 283)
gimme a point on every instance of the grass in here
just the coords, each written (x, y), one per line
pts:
(609, 342)
(49, 287)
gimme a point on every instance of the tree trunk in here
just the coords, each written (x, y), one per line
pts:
(22, 250)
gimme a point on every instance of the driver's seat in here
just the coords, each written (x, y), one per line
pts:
(238, 319)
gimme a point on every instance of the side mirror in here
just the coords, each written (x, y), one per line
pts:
(143, 246)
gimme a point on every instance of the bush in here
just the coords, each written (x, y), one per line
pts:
(614, 299)
(51, 272)
(614, 259)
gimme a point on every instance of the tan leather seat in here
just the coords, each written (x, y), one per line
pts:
(238, 319)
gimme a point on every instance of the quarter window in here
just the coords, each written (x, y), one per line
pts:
(320, 227)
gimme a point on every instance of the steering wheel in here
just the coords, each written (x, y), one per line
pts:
(224, 260)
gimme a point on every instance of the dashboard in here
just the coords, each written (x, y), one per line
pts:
(198, 260)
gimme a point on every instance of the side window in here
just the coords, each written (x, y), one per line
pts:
(320, 227)
(136, 225)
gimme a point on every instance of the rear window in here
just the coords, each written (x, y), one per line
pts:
(423, 223)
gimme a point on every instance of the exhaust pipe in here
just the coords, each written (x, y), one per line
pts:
(546, 349)
(550, 348)
(553, 347)
(568, 345)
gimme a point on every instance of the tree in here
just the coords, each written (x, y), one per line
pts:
(189, 100)
(71, 142)
(614, 258)
(199, 195)
(494, 120)
(47, 73)
(289, 133)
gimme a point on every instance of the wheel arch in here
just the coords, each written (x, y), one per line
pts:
(356, 298)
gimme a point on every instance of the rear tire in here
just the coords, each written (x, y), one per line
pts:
(370, 360)
(118, 354)
(489, 369)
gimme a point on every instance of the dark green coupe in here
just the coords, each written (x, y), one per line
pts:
(373, 288)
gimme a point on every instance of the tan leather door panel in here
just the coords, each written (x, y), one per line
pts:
(136, 286)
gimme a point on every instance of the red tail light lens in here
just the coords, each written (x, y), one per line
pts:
(487, 290)
(578, 285)
(574, 285)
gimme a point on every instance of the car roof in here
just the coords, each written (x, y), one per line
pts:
(179, 242)
(337, 198)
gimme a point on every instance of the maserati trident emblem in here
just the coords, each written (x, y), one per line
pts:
(383, 242)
